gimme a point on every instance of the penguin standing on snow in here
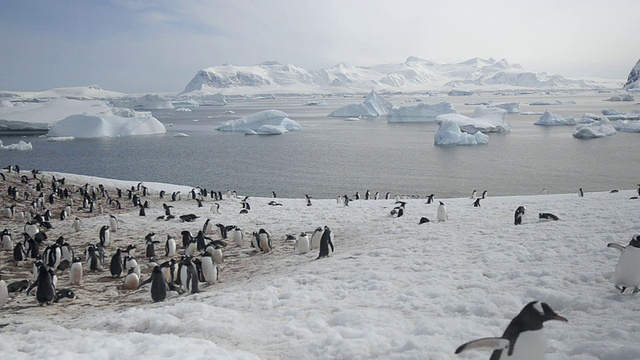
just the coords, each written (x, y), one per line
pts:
(442, 212)
(188, 276)
(518, 215)
(170, 246)
(477, 202)
(264, 240)
(159, 287)
(315, 238)
(75, 272)
(627, 272)
(238, 237)
(45, 291)
(325, 242)
(4, 293)
(302, 244)
(580, 192)
(104, 236)
(523, 338)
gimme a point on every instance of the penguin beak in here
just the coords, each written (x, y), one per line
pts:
(559, 318)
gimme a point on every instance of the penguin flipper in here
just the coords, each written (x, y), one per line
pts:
(616, 246)
(145, 282)
(494, 343)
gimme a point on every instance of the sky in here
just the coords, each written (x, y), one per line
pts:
(142, 46)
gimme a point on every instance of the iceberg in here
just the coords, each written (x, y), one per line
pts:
(115, 122)
(420, 113)
(589, 118)
(549, 119)
(617, 115)
(212, 99)
(626, 125)
(449, 134)
(633, 80)
(511, 107)
(455, 92)
(624, 97)
(484, 119)
(596, 129)
(267, 122)
(553, 102)
(373, 105)
(18, 146)
(146, 102)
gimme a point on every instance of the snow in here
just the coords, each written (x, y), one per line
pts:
(599, 128)
(183, 109)
(145, 102)
(60, 138)
(267, 122)
(458, 92)
(373, 105)
(115, 122)
(633, 80)
(450, 134)
(422, 112)
(393, 289)
(552, 102)
(21, 145)
(549, 119)
(484, 119)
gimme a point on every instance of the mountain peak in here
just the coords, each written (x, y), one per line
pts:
(633, 81)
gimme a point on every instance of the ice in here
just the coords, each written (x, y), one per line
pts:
(267, 122)
(420, 113)
(373, 105)
(484, 119)
(549, 119)
(596, 129)
(115, 122)
(450, 134)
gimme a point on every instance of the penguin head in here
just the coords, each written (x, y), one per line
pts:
(539, 312)
(441, 203)
(635, 241)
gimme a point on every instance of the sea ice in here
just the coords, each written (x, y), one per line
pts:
(596, 129)
(549, 119)
(484, 119)
(420, 113)
(267, 122)
(450, 134)
(21, 145)
(115, 122)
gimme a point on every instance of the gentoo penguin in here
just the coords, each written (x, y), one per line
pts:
(209, 269)
(113, 223)
(627, 272)
(376, 196)
(315, 238)
(477, 202)
(188, 276)
(45, 291)
(19, 253)
(543, 191)
(18, 286)
(131, 263)
(346, 200)
(523, 338)
(150, 243)
(104, 236)
(207, 228)
(75, 273)
(116, 264)
(132, 280)
(159, 287)
(169, 270)
(442, 212)
(93, 259)
(170, 246)
(64, 296)
(548, 216)
(367, 194)
(387, 195)
(238, 237)
(423, 220)
(580, 192)
(473, 194)
(215, 208)
(325, 242)
(302, 244)
(518, 215)
(7, 243)
(66, 249)
(308, 199)
(264, 240)
(356, 196)
(77, 224)
(430, 199)
(4, 293)
(484, 194)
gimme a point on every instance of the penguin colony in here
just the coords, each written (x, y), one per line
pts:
(39, 269)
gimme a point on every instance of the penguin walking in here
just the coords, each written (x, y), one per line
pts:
(170, 246)
(264, 240)
(477, 202)
(75, 272)
(315, 238)
(104, 236)
(430, 199)
(442, 212)
(150, 243)
(627, 272)
(188, 276)
(159, 287)
(45, 291)
(523, 338)
(113, 223)
(308, 199)
(325, 242)
(518, 215)
(302, 244)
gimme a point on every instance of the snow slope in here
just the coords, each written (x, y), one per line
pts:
(393, 289)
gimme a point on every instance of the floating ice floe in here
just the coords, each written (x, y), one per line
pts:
(18, 146)
(484, 119)
(420, 113)
(553, 102)
(623, 97)
(532, 113)
(267, 122)
(449, 134)
(60, 138)
(454, 92)
(549, 119)
(511, 107)
(183, 109)
(626, 125)
(145, 102)
(180, 135)
(115, 122)
(185, 103)
(317, 103)
(596, 129)
(373, 105)
(589, 118)
(617, 115)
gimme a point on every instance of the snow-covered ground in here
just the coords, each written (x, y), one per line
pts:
(392, 289)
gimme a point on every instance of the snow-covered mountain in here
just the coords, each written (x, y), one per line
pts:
(633, 81)
(415, 74)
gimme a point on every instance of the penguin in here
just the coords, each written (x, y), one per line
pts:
(315, 238)
(77, 224)
(543, 191)
(484, 194)
(116, 264)
(159, 287)
(66, 249)
(387, 195)
(45, 291)
(191, 248)
(75, 273)
(580, 193)
(93, 259)
(215, 208)
(325, 242)
(209, 269)
(169, 270)
(150, 250)
(238, 237)
(302, 244)
(308, 199)
(273, 193)
(132, 280)
(131, 263)
(31, 229)
(64, 296)
(216, 254)
(518, 215)
(627, 272)
(376, 196)
(4, 293)
(7, 242)
(222, 230)
(548, 216)
(188, 276)
(477, 202)
(104, 236)
(442, 212)
(523, 338)
(18, 286)
(113, 223)
(19, 253)
(356, 196)
(170, 246)
(265, 240)
(367, 194)
(346, 200)
(255, 241)
(207, 227)
(398, 211)
(430, 199)
(473, 194)
(200, 240)
(423, 220)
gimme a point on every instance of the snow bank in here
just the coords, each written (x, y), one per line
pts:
(484, 119)
(146, 102)
(449, 134)
(373, 105)
(115, 122)
(596, 129)
(549, 119)
(19, 146)
(267, 122)
(554, 102)
(420, 113)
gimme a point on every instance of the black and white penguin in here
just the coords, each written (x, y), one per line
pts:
(376, 196)
(308, 199)
(150, 243)
(64, 296)
(547, 216)
(316, 237)
(473, 194)
(7, 242)
(104, 236)
(66, 249)
(442, 212)
(18, 286)
(94, 260)
(209, 269)
(222, 230)
(75, 272)
(77, 224)
(580, 192)
(302, 244)
(264, 240)
(45, 291)
(188, 276)
(4, 293)
(131, 263)
(238, 237)
(132, 280)
(477, 202)
(215, 208)
(159, 287)
(207, 228)
(387, 196)
(627, 272)
(115, 267)
(325, 242)
(518, 215)
(523, 338)
(113, 223)
(367, 194)
(484, 194)
(170, 246)
(430, 199)
(19, 253)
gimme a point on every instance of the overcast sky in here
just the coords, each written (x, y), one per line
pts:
(159, 45)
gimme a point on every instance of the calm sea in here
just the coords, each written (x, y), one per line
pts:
(332, 157)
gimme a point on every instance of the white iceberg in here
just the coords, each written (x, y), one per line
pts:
(597, 129)
(267, 122)
(184, 103)
(455, 92)
(449, 134)
(511, 107)
(623, 97)
(21, 145)
(549, 119)
(626, 125)
(617, 115)
(553, 102)
(183, 109)
(60, 138)
(373, 105)
(115, 122)
(420, 113)
(145, 102)
(484, 119)
(589, 118)
(212, 99)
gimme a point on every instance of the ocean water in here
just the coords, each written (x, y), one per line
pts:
(332, 157)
